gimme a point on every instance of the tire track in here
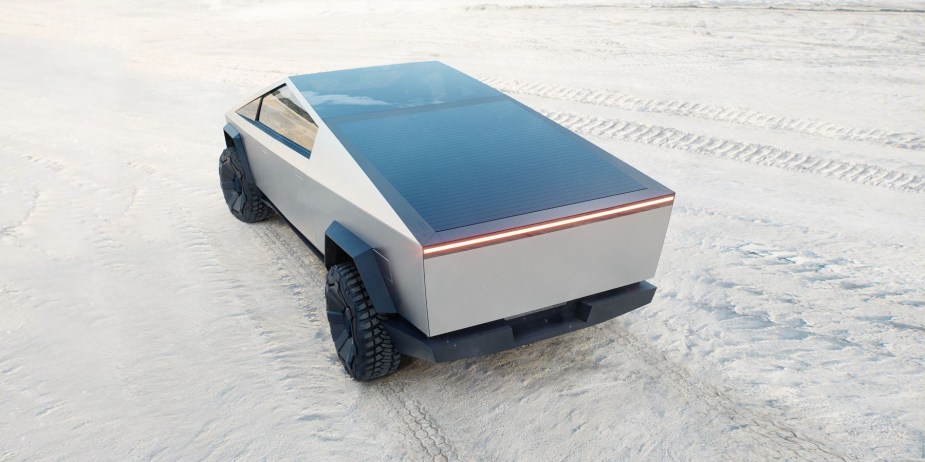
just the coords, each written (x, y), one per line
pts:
(281, 339)
(419, 432)
(797, 327)
(773, 439)
(280, 355)
(743, 426)
(112, 254)
(912, 141)
(739, 150)
(770, 277)
(839, 273)
(294, 272)
(816, 267)
(294, 347)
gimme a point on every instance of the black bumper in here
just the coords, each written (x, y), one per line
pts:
(510, 333)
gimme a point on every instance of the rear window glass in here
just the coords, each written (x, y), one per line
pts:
(250, 109)
(280, 113)
(368, 90)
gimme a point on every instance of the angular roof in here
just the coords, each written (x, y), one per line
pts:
(455, 157)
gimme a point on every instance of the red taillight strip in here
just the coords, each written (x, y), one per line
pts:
(551, 225)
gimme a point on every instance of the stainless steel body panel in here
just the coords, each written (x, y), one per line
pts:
(312, 192)
(279, 173)
(338, 190)
(497, 281)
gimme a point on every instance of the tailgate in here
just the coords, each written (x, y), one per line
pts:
(486, 278)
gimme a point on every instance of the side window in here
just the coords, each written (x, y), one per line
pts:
(250, 109)
(280, 113)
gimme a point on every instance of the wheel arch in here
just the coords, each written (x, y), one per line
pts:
(342, 246)
(234, 140)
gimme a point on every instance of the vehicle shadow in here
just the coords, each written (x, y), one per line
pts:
(576, 351)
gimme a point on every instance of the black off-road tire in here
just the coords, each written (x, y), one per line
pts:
(362, 343)
(241, 194)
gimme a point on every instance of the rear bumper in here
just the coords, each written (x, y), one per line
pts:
(510, 333)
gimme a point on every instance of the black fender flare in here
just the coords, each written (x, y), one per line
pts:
(233, 139)
(341, 245)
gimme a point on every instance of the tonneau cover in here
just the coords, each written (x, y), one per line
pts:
(455, 157)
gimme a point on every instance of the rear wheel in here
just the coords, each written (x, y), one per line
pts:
(363, 346)
(241, 194)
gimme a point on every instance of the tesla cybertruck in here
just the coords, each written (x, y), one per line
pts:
(453, 220)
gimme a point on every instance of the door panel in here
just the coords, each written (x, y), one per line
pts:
(278, 173)
(279, 137)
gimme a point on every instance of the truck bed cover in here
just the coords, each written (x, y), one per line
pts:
(456, 158)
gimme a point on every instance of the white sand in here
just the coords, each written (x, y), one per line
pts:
(139, 320)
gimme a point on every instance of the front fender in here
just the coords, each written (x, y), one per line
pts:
(233, 136)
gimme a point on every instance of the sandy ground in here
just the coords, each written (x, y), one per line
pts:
(139, 320)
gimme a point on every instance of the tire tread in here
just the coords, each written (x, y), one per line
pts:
(254, 208)
(376, 355)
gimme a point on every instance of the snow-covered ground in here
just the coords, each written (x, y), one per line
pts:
(139, 320)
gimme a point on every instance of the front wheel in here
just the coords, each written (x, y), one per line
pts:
(241, 195)
(363, 345)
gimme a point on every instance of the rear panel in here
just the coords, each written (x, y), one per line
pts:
(483, 284)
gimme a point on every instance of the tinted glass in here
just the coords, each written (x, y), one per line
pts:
(250, 109)
(283, 115)
(375, 89)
